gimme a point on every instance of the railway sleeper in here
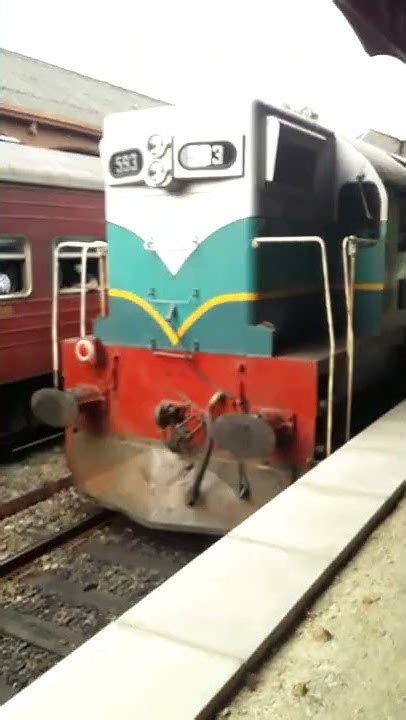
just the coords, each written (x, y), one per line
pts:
(73, 594)
(46, 635)
(129, 558)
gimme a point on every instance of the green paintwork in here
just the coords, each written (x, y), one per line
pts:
(223, 330)
(220, 265)
(226, 263)
(370, 269)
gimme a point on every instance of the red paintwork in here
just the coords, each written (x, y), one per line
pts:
(41, 214)
(135, 381)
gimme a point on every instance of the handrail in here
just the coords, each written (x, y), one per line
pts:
(329, 314)
(349, 247)
(84, 247)
(348, 256)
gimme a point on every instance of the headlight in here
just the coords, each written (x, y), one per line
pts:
(208, 156)
(196, 156)
(158, 174)
(157, 145)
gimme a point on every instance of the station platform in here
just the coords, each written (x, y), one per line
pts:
(346, 658)
(184, 650)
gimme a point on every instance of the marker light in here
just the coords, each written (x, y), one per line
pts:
(158, 174)
(157, 145)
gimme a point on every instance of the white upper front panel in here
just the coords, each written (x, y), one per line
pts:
(162, 144)
(174, 176)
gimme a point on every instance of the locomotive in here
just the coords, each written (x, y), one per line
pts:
(47, 198)
(257, 307)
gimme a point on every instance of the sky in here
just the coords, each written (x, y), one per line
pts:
(302, 52)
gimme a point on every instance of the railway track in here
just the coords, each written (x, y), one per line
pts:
(62, 586)
(17, 447)
(20, 559)
(31, 497)
(23, 447)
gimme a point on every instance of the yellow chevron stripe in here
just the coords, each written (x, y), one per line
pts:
(213, 302)
(239, 297)
(175, 337)
(137, 300)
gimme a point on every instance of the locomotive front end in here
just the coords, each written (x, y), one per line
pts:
(191, 405)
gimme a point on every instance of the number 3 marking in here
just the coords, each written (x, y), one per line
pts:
(217, 155)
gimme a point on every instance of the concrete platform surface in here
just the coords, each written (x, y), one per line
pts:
(347, 659)
(178, 652)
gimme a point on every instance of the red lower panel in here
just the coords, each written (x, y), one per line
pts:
(137, 380)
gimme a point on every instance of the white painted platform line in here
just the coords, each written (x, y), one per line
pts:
(176, 653)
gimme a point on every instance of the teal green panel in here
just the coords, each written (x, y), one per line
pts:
(226, 263)
(368, 313)
(219, 265)
(277, 266)
(370, 265)
(224, 329)
(127, 324)
(370, 268)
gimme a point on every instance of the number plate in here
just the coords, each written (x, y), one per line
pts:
(126, 163)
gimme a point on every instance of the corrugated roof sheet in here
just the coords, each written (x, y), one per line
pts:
(36, 86)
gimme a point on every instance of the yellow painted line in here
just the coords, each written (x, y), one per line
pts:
(214, 302)
(154, 314)
(369, 286)
(239, 297)
(175, 337)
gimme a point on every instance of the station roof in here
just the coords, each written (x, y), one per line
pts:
(31, 85)
(380, 25)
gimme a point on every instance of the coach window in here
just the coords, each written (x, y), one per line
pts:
(15, 267)
(70, 263)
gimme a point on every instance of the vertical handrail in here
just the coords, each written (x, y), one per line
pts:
(329, 315)
(349, 247)
(54, 316)
(102, 283)
(349, 252)
(83, 275)
(84, 248)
